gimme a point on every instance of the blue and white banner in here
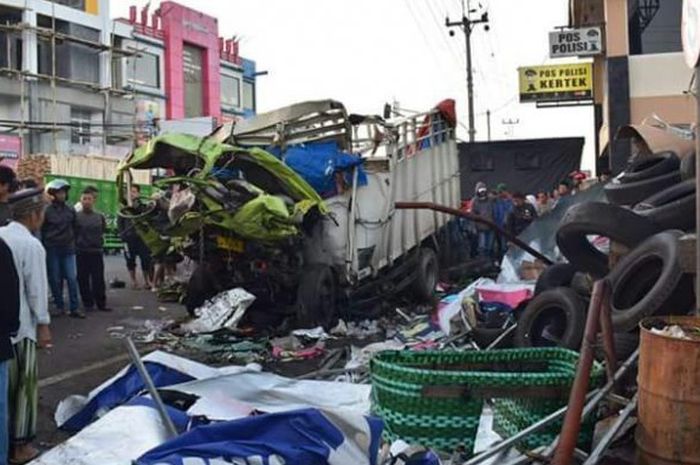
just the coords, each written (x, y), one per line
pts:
(307, 436)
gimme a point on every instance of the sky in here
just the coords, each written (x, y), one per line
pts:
(366, 53)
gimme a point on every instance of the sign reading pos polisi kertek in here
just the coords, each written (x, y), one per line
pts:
(583, 42)
(556, 83)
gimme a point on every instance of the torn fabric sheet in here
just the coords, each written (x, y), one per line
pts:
(75, 412)
(271, 393)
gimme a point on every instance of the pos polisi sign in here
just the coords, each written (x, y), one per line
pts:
(587, 41)
(556, 83)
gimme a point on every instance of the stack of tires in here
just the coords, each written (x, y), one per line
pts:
(651, 205)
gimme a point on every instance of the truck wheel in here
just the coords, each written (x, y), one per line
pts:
(316, 298)
(427, 274)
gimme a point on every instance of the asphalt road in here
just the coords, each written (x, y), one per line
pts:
(85, 353)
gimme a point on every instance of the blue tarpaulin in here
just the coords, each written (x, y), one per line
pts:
(306, 436)
(318, 164)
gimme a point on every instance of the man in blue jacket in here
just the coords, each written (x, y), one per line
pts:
(58, 235)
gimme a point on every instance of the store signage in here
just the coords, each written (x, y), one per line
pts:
(10, 150)
(556, 83)
(587, 41)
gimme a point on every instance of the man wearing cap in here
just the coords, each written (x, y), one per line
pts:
(30, 258)
(58, 234)
(7, 183)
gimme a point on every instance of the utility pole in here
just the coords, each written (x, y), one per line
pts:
(510, 124)
(488, 124)
(467, 24)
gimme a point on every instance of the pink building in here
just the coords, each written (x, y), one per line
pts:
(183, 69)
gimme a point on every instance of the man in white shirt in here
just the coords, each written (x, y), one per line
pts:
(30, 259)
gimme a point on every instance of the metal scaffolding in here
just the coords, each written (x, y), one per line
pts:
(24, 126)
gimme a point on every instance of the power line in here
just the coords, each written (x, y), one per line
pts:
(425, 37)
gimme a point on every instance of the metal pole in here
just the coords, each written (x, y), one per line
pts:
(572, 421)
(605, 441)
(470, 78)
(697, 197)
(488, 124)
(136, 360)
(476, 219)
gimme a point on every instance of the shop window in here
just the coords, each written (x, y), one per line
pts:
(194, 92)
(230, 91)
(654, 26)
(77, 4)
(143, 69)
(10, 41)
(248, 95)
(80, 126)
(75, 61)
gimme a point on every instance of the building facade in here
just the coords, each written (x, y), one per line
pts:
(74, 81)
(642, 73)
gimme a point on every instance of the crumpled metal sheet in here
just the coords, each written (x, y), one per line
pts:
(225, 310)
(541, 235)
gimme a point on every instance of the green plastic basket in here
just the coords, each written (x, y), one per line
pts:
(435, 399)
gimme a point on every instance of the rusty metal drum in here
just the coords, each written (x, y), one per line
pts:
(668, 431)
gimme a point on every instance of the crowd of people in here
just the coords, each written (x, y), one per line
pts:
(512, 212)
(47, 244)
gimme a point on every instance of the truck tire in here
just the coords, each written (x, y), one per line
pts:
(602, 219)
(672, 208)
(427, 273)
(316, 298)
(633, 192)
(557, 275)
(688, 167)
(659, 164)
(557, 317)
(646, 280)
(200, 288)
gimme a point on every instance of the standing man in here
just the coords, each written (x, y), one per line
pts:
(134, 245)
(90, 190)
(482, 206)
(522, 214)
(30, 259)
(90, 230)
(8, 180)
(58, 234)
(9, 324)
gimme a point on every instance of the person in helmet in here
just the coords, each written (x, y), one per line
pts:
(58, 235)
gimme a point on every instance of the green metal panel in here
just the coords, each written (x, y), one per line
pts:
(107, 202)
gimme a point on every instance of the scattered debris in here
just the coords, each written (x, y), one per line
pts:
(223, 311)
(679, 332)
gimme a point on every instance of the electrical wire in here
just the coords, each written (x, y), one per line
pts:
(425, 36)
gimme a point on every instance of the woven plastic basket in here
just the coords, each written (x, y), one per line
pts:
(435, 399)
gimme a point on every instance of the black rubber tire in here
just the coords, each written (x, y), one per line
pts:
(582, 284)
(200, 288)
(688, 167)
(672, 208)
(633, 192)
(625, 344)
(596, 218)
(645, 280)
(316, 298)
(557, 275)
(650, 167)
(427, 274)
(561, 311)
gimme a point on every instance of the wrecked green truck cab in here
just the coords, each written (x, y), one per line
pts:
(245, 215)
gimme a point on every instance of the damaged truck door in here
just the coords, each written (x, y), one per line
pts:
(297, 207)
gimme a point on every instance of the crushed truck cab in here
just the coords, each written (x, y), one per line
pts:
(297, 205)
